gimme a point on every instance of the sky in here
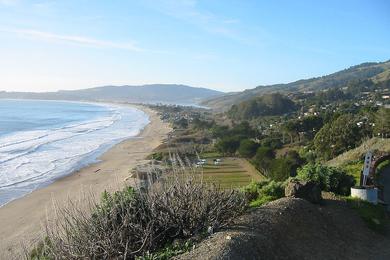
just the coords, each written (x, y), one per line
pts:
(227, 45)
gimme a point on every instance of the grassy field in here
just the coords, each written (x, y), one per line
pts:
(231, 172)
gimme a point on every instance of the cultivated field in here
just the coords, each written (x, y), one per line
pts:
(230, 172)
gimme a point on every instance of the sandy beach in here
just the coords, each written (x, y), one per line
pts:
(22, 220)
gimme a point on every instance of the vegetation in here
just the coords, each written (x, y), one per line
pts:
(357, 154)
(230, 172)
(382, 123)
(328, 178)
(299, 135)
(282, 135)
(266, 105)
(339, 136)
(259, 193)
(247, 148)
(130, 223)
(278, 169)
(228, 145)
(355, 78)
(354, 168)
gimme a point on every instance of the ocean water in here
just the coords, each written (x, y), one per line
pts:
(41, 141)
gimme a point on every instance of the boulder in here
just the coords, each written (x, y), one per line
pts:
(307, 190)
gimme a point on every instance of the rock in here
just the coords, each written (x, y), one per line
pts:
(307, 190)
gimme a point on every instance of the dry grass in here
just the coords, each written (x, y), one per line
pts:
(373, 144)
(132, 223)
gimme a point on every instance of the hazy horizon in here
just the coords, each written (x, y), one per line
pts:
(222, 45)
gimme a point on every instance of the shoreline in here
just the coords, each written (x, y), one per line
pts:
(21, 220)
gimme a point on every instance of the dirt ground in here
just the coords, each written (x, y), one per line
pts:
(296, 229)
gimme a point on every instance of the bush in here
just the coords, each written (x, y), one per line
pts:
(157, 156)
(328, 178)
(131, 223)
(259, 193)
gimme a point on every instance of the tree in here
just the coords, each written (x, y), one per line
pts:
(273, 143)
(243, 130)
(291, 128)
(247, 148)
(338, 136)
(219, 131)
(266, 105)
(263, 159)
(280, 169)
(382, 122)
(228, 145)
(295, 161)
(182, 123)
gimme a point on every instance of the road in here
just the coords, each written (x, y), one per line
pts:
(384, 179)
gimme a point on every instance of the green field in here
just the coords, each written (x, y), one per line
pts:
(230, 173)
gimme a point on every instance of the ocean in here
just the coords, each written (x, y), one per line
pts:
(41, 141)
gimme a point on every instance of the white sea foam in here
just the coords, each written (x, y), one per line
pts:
(33, 159)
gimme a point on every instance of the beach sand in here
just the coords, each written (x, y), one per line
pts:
(22, 220)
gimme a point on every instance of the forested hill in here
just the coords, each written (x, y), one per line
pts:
(165, 93)
(273, 104)
(375, 72)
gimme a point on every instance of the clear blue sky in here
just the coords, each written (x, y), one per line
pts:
(228, 45)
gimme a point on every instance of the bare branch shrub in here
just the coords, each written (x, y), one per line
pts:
(131, 223)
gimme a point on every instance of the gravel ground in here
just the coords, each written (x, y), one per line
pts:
(295, 229)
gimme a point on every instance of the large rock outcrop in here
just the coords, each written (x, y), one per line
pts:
(307, 190)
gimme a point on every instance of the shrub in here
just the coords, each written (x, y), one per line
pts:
(130, 223)
(157, 156)
(329, 178)
(259, 193)
(261, 201)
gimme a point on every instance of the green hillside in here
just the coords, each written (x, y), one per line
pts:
(266, 105)
(377, 72)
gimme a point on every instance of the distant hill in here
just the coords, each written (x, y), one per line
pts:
(266, 105)
(165, 93)
(377, 72)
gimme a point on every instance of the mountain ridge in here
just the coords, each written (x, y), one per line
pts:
(375, 71)
(151, 93)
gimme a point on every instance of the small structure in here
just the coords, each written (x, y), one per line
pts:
(369, 188)
(365, 192)
(369, 194)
